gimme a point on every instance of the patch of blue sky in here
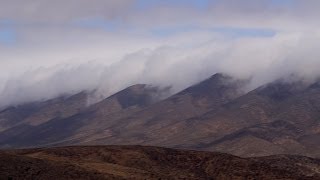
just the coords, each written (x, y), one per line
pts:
(169, 31)
(7, 36)
(245, 32)
(227, 31)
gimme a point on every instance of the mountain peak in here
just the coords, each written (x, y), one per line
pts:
(218, 85)
(139, 94)
(219, 76)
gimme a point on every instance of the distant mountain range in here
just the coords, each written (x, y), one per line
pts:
(214, 115)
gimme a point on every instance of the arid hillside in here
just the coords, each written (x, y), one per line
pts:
(138, 162)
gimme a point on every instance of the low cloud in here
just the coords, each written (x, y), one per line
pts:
(65, 47)
(260, 58)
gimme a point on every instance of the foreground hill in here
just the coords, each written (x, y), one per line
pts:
(137, 162)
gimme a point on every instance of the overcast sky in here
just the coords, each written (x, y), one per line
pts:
(54, 47)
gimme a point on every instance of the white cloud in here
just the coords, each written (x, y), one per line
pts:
(264, 59)
(54, 56)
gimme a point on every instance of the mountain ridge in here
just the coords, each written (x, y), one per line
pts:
(213, 115)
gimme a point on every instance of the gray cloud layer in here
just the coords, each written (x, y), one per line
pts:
(278, 14)
(61, 11)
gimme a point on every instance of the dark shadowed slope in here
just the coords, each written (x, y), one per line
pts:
(137, 162)
(55, 128)
(36, 113)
